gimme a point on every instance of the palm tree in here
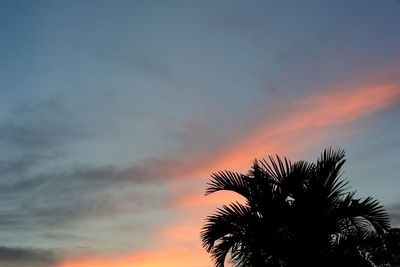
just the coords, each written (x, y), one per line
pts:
(295, 214)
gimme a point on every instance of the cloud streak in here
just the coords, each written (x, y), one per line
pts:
(13, 257)
(306, 121)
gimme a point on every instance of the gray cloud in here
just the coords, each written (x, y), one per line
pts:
(149, 171)
(40, 200)
(47, 198)
(35, 126)
(35, 133)
(61, 196)
(10, 256)
(119, 56)
(21, 164)
(156, 69)
(64, 202)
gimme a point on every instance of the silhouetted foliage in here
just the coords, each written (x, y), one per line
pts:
(296, 214)
(385, 251)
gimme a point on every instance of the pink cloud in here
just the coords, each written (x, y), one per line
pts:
(157, 258)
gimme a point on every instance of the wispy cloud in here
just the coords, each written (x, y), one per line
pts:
(14, 257)
(59, 198)
(118, 57)
(34, 133)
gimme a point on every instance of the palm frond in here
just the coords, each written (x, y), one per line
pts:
(299, 175)
(230, 181)
(364, 212)
(331, 156)
(329, 165)
(221, 250)
(327, 184)
(277, 168)
(351, 240)
(230, 219)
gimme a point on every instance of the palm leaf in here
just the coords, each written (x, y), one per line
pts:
(227, 220)
(277, 168)
(220, 250)
(230, 181)
(364, 213)
(295, 183)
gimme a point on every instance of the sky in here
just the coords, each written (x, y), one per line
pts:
(114, 114)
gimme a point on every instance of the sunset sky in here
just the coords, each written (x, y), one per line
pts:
(115, 113)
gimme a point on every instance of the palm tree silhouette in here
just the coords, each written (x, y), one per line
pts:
(295, 214)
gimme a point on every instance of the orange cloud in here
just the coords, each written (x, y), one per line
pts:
(302, 122)
(199, 200)
(306, 122)
(161, 258)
